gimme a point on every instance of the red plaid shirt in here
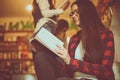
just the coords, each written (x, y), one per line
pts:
(102, 71)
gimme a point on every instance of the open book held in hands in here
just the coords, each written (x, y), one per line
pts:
(46, 38)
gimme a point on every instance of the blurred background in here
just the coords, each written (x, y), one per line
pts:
(16, 27)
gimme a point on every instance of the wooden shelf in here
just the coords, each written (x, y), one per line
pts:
(16, 54)
(19, 31)
(16, 60)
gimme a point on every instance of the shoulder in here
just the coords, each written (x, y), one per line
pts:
(106, 33)
(76, 36)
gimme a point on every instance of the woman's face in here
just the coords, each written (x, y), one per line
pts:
(75, 15)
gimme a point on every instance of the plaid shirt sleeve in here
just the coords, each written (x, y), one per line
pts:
(103, 69)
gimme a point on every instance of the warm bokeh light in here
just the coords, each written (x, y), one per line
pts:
(29, 7)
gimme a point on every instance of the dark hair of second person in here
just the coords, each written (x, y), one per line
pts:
(62, 27)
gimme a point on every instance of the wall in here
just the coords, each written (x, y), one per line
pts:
(115, 27)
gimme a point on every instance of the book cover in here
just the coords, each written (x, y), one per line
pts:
(47, 39)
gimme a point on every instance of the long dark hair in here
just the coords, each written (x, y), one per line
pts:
(91, 27)
(61, 25)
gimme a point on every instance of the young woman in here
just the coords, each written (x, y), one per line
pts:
(94, 41)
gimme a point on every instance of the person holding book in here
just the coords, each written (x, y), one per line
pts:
(46, 8)
(45, 62)
(93, 40)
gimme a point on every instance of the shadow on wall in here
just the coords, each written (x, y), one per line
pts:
(115, 27)
(116, 69)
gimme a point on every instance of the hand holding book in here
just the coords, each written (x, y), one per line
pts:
(62, 53)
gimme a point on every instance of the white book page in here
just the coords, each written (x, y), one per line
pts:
(48, 39)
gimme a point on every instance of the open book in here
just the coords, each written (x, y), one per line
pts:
(47, 39)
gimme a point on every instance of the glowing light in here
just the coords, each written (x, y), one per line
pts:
(29, 7)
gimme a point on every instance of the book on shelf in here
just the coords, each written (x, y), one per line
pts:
(47, 39)
(16, 67)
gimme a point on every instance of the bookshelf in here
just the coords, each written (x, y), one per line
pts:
(15, 54)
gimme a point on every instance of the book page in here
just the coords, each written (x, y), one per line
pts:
(48, 39)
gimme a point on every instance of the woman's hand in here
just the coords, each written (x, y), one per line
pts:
(63, 53)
